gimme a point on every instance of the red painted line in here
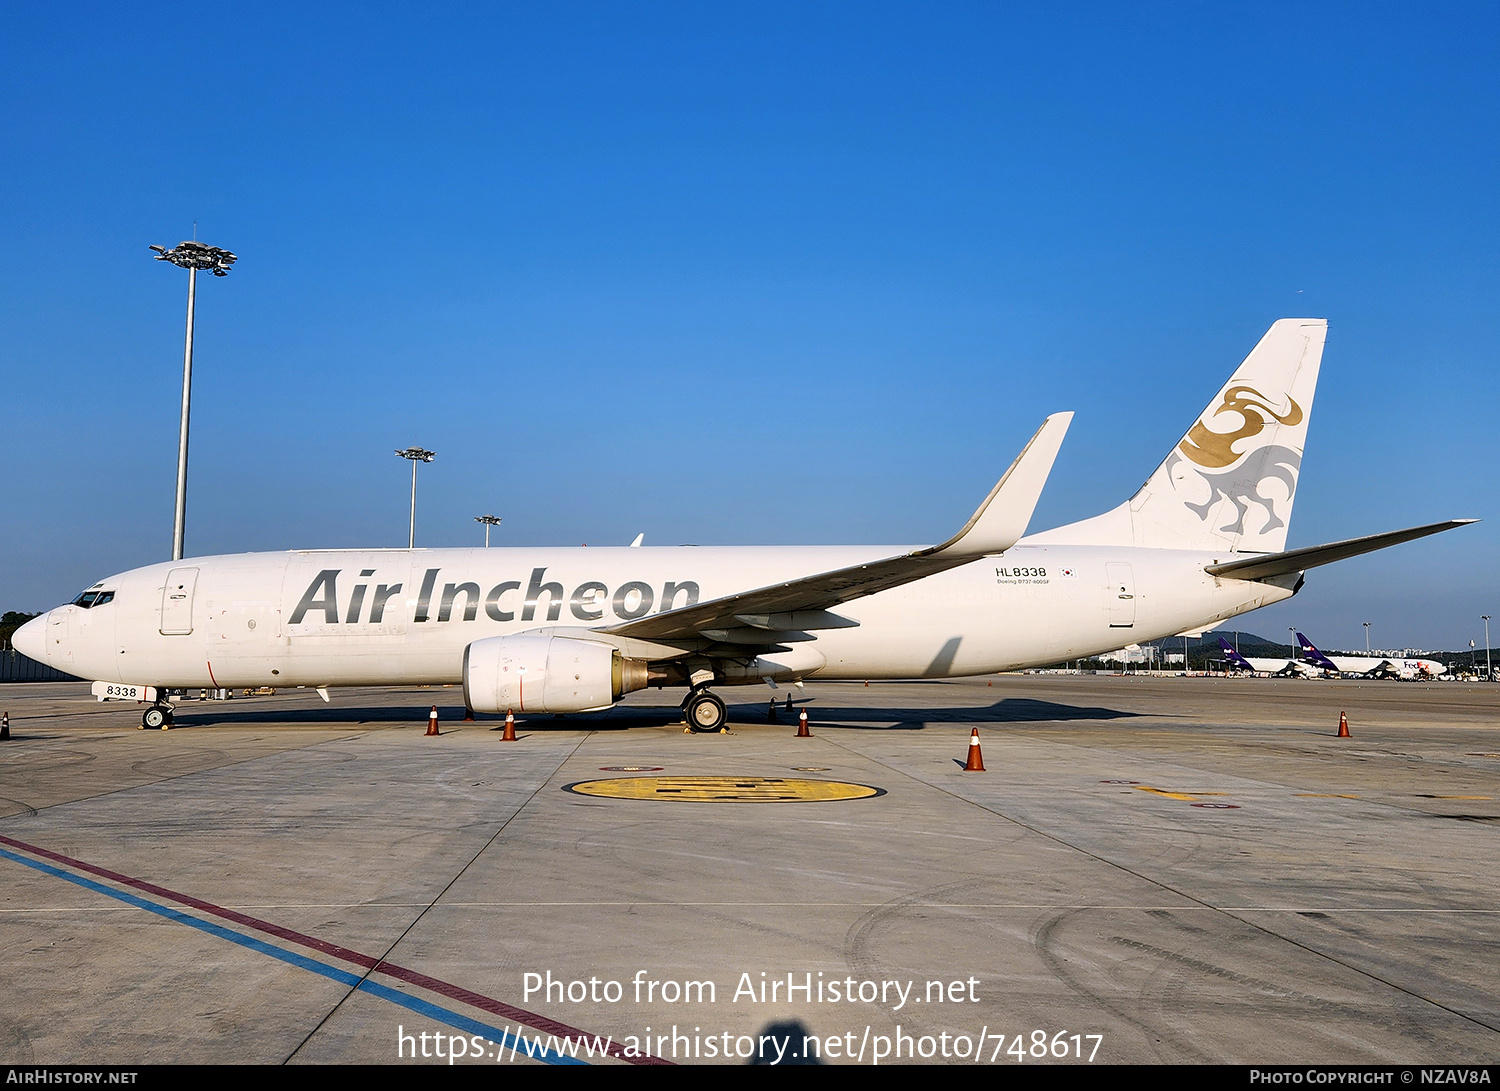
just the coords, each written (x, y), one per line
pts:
(374, 965)
(211, 674)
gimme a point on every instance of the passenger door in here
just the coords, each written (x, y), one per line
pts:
(177, 602)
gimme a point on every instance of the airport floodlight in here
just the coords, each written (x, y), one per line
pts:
(415, 455)
(197, 255)
(488, 521)
(192, 256)
(1489, 670)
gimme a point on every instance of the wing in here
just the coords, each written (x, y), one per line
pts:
(783, 610)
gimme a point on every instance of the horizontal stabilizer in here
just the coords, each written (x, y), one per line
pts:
(1298, 560)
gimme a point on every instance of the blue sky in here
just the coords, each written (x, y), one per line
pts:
(751, 274)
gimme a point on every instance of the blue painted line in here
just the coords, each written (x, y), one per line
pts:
(501, 1038)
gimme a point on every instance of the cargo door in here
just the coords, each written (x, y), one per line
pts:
(177, 602)
(1121, 593)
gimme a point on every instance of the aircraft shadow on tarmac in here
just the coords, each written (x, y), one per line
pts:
(1011, 710)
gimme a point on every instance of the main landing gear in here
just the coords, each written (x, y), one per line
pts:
(704, 711)
(157, 716)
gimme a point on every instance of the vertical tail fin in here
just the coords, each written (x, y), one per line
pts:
(1234, 657)
(1229, 484)
(1314, 656)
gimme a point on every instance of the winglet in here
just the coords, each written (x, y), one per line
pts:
(1005, 513)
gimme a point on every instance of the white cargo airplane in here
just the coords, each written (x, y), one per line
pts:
(1286, 668)
(574, 630)
(1408, 670)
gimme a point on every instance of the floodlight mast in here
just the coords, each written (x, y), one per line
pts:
(415, 454)
(488, 521)
(191, 256)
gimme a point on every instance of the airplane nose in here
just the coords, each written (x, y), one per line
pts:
(31, 639)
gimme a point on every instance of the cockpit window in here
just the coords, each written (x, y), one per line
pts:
(89, 599)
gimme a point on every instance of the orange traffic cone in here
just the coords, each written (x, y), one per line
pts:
(789, 702)
(468, 715)
(771, 712)
(432, 722)
(975, 764)
(510, 727)
(802, 732)
(1343, 726)
(5, 726)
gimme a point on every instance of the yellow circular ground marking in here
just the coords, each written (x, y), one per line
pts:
(724, 789)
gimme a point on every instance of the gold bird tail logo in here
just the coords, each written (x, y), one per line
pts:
(1215, 450)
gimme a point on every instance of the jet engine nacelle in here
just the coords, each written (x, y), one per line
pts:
(535, 673)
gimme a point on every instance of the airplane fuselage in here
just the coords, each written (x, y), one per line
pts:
(1397, 667)
(403, 617)
(1286, 667)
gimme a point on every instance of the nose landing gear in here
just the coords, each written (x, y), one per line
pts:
(157, 716)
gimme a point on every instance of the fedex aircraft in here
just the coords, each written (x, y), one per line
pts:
(1405, 669)
(574, 630)
(1288, 668)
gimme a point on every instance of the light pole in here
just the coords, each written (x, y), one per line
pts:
(415, 454)
(1292, 643)
(1366, 624)
(191, 256)
(1489, 671)
(488, 521)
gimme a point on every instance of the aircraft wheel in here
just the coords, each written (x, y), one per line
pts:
(706, 713)
(157, 717)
